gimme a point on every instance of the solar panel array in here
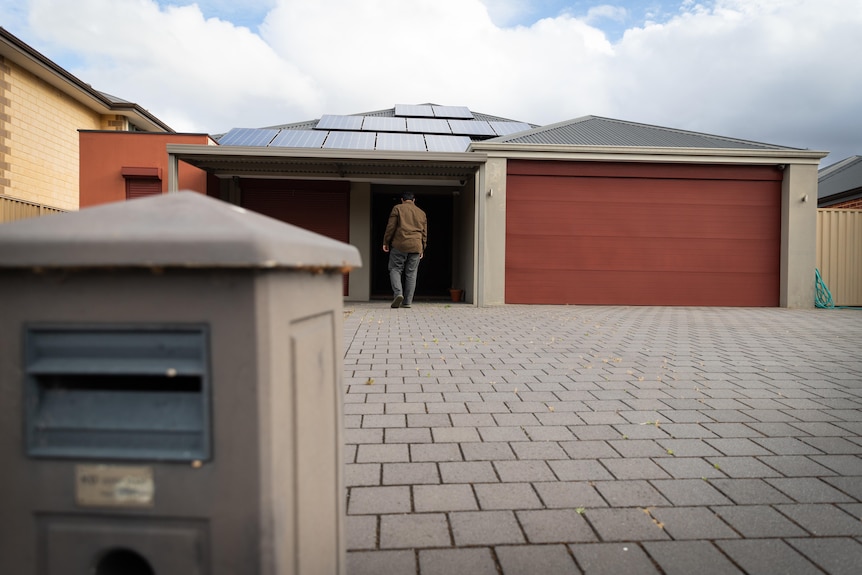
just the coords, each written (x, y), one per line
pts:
(414, 128)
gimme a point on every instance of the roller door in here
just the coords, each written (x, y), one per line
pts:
(322, 207)
(642, 234)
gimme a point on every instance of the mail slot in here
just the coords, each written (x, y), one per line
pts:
(170, 392)
(117, 392)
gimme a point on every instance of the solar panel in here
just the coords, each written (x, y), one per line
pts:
(447, 143)
(417, 111)
(428, 126)
(350, 140)
(452, 112)
(384, 124)
(299, 139)
(402, 142)
(247, 137)
(506, 128)
(471, 128)
(336, 122)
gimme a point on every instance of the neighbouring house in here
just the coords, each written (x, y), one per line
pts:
(839, 186)
(588, 211)
(43, 107)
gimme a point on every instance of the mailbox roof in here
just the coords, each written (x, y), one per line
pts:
(184, 229)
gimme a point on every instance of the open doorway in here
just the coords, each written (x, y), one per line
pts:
(436, 268)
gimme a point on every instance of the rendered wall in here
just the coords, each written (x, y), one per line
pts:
(798, 235)
(105, 154)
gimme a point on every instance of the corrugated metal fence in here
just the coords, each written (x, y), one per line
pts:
(839, 254)
(12, 209)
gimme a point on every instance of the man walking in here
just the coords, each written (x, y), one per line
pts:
(405, 239)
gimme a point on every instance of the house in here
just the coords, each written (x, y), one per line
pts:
(588, 211)
(43, 107)
(839, 186)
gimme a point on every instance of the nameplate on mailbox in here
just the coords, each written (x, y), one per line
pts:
(114, 486)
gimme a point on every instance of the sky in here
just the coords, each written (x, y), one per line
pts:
(783, 72)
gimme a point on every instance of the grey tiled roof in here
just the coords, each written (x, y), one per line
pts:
(840, 177)
(598, 131)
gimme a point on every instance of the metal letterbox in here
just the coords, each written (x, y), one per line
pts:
(170, 392)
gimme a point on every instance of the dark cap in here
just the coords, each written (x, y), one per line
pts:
(407, 195)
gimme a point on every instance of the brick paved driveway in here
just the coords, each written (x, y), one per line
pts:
(567, 439)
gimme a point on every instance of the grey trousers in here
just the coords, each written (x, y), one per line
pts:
(408, 265)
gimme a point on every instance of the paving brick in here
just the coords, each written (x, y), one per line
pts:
(428, 420)
(468, 472)
(414, 531)
(544, 450)
(376, 500)
(692, 523)
(742, 467)
(491, 434)
(555, 526)
(613, 559)
(624, 525)
(689, 468)
(588, 449)
(456, 562)
(531, 470)
(785, 446)
(822, 520)
(767, 556)
(638, 448)
(507, 496)
(361, 531)
(380, 453)
(634, 468)
(455, 497)
(837, 556)
(749, 491)
(410, 473)
(435, 452)
(533, 559)
(758, 521)
(407, 435)
(454, 434)
(381, 562)
(688, 447)
(356, 436)
(809, 490)
(356, 474)
(796, 466)
(629, 493)
(569, 494)
(687, 557)
(848, 465)
(496, 451)
(485, 528)
(833, 445)
(580, 470)
(689, 492)
(849, 485)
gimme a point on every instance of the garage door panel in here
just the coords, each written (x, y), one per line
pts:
(617, 191)
(632, 288)
(643, 220)
(652, 240)
(648, 254)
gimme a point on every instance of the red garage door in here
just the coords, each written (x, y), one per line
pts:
(322, 207)
(642, 234)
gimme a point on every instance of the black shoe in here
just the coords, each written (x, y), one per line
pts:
(397, 301)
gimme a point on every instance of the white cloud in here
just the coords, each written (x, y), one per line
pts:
(606, 12)
(779, 71)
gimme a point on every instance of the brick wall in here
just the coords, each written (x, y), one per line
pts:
(39, 139)
(848, 205)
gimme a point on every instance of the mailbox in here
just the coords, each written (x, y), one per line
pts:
(170, 392)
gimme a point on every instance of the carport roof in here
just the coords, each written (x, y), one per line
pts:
(599, 131)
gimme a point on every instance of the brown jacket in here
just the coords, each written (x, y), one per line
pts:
(407, 229)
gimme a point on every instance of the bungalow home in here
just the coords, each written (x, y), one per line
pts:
(588, 211)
